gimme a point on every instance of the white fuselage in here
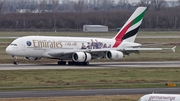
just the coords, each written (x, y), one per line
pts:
(40, 46)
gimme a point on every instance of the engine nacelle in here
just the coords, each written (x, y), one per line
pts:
(32, 58)
(81, 57)
(114, 55)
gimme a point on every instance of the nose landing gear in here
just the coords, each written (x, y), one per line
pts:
(15, 60)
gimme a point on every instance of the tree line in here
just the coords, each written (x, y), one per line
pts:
(167, 18)
(41, 6)
(68, 14)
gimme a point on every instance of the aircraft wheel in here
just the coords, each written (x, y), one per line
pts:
(72, 63)
(64, 62)
(86, 63)
(61, 62)
(69, 63)
(15, 62)
(77, 63)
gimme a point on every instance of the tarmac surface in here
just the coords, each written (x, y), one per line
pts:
(92, 65)
(58, 93)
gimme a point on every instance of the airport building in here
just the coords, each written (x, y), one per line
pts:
(95, 28)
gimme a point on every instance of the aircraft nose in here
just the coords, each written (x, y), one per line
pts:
(8, 50)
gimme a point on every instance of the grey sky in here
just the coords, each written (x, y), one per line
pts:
(138, 0)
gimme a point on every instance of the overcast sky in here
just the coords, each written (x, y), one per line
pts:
(138, 0)
(128, 0)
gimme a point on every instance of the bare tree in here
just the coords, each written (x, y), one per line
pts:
(55, 4)
(1, 6)
(33, 5)
(66, 6)
(97, 2)
(179, 2)
(172, 19)
(145, 3)
(106, 4)
(79, 6)
(123, 3)
(157, 4)
(42, 6)
(96, 5)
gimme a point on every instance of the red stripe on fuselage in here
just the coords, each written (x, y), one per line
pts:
(121, 34)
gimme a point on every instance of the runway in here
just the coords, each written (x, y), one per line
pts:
(92, 65)
(58, 93)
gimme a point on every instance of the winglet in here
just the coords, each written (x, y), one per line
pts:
(173, 49)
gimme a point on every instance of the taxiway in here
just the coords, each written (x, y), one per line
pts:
(92, 65)
(58, 93)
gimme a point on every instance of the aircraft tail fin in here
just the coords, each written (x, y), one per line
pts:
(129, 31)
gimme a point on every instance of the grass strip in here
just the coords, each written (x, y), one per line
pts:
(88, 78)
(80, 98)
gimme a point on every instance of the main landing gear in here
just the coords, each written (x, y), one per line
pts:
(15, 60)
(77, 63)
(61, 62)
(72, 63)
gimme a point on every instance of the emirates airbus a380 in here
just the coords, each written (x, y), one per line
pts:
(80, 50)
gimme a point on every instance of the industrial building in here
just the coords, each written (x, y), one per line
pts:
(95, 28)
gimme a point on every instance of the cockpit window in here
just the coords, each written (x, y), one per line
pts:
(13, 44)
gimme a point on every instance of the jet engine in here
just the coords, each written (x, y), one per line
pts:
(32, 58)
(114, 55)
(81, 57)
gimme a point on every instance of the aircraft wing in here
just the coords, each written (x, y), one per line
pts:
(129, 50)
(139, 49)
(145, 45)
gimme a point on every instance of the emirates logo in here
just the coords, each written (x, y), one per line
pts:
(28, 43)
